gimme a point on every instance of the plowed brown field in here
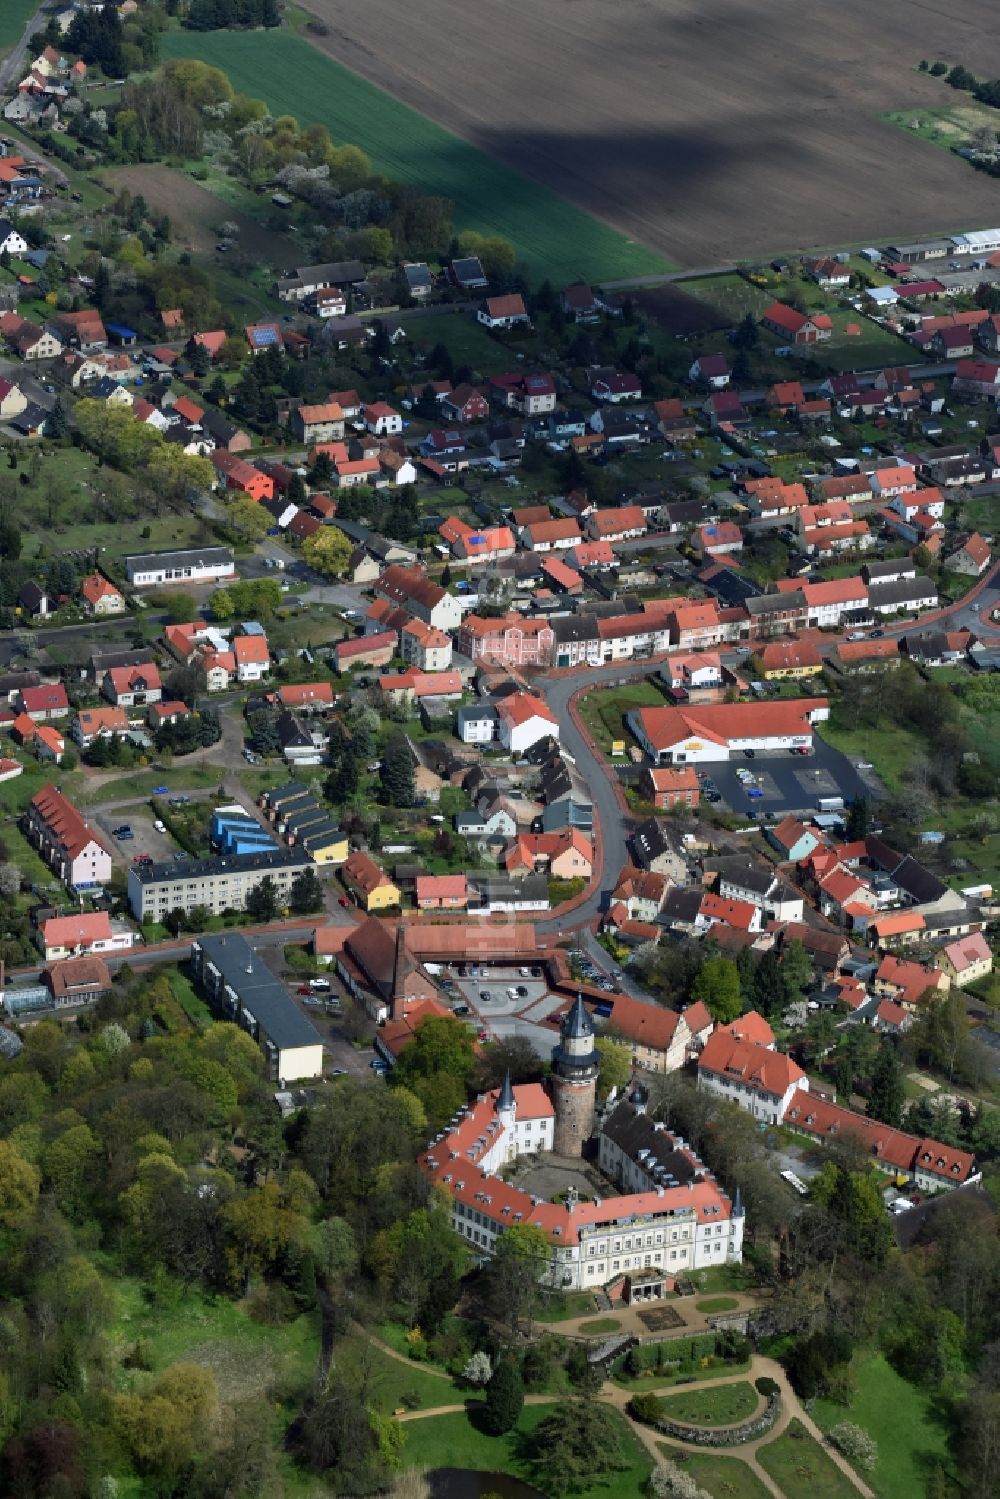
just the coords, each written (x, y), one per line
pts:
(707, 131)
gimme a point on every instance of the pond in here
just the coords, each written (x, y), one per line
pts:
(467, 1483)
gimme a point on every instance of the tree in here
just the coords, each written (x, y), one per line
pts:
(396, 773)
(306, 894)
(504, 1398)
(262, 902)
(478, 1369)
(165, 1426)
(57, 425)
(579, 1442)
(247, 521)
(328, 551)
(858, 819)
(717, 985)
(513, 1054)
(514, 1276)
(199, 358)
(182, 608)
(19, 1185)
(856, 1445)
(887, 1095)
(616, 1065)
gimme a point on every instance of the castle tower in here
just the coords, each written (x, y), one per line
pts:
(575, 1064)
(507, 1113)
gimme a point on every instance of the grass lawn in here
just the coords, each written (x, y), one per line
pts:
(555, 239)
(467, 341)
(725, 1405)
(604, 711)
(891, 748)
(141, 783)
(716, 1304)
(600, 1325)
(194, 1007)
(722, 1477)
(454, 1442)
(798, 1464)
(570, 1304)
(14, 16)
(730, 294)
(902, 1419)
(185, 1324)
(723, 1278)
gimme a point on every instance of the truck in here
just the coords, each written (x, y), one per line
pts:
(830, 804)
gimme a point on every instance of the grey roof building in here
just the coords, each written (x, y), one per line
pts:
(219, 884)
(244, 990)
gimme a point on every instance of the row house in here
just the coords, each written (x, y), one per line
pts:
(509, 640)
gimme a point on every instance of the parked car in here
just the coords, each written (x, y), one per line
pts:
(485, 996)
(123, 834)
(302, 989)
(320, 984)
(160, 790)
(160, 826)
(343, 901)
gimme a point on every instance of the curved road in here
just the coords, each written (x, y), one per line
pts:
(600, 779)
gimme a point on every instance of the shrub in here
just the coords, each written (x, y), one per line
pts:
(478, 1370)
(766, 1386)
(856, 1445)
(647, 1408)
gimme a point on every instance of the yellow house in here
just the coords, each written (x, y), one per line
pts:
(370, 886)
(789, 658)
(326, 847)
(966, 960)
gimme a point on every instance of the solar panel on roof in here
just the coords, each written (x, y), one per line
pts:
(265, 336)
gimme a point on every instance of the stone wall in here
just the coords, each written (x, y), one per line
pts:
(574, 1106)
(725, 1436)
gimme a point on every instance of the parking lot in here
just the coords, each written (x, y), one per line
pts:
(790, 783)
(498, 1014)
(145, 840)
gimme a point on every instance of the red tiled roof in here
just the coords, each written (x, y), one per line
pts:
(758, 1068)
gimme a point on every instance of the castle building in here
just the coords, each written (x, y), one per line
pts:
(672, 1216)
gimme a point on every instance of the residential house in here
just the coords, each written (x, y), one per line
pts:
(100, 597)
(236, 474)
(623, 523)
(614, 386)
(712, 370)
(972, 558)
(529, 394)
(504, 312)
(366, 651)
(410, 588)
(442, 892)
(796, 327)
(98, 723)
(381, 419)
(71, 936)
(667, 788)
(740, 1064)
(371, 886)
(523, 720)
(44, 702)
(318, 423)
(965, 961)
(425, 647)
(465, 404)
(65, 840)
(252, 656)
(132, 686)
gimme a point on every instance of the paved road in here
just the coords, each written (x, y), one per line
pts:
(600, 780)
(12, 66)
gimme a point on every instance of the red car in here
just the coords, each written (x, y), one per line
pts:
(303, 989)
(343, 901)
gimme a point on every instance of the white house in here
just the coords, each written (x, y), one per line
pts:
(503, 312)
(11, 240)
(522, 720)
(740, 1064)
(381, 419)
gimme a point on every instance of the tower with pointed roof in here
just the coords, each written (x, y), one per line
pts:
(575, 1064)
(507, 1105)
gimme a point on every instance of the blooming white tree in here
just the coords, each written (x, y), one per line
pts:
(479, 1369)
(856, 1445)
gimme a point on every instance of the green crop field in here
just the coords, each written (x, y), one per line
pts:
(553, 238)
(14, 16)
